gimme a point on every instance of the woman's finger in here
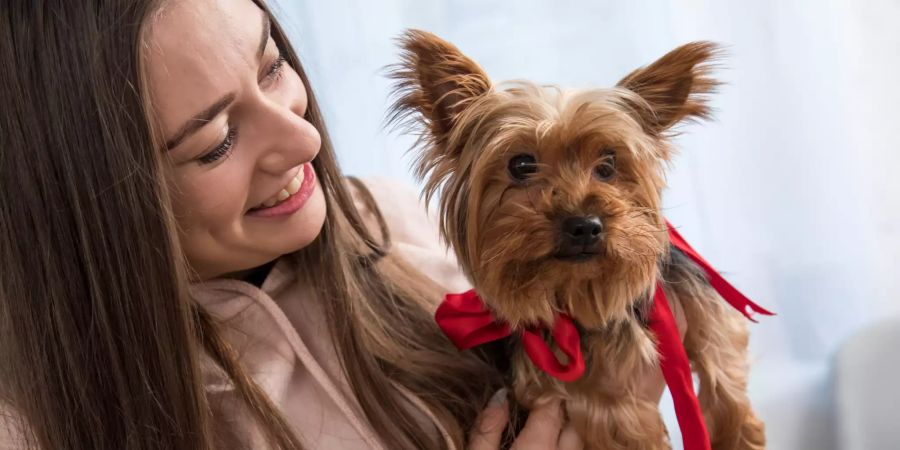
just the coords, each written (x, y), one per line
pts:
(490, 424)
(542, 428)
(569, 439)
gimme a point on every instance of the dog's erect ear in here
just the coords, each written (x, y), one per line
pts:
(436, 80)
(675, 86)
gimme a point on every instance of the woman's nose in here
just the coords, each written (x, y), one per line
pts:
(285, 139)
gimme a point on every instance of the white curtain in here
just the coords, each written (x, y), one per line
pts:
(790, 191)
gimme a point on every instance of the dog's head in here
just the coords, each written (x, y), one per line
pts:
(549, 197)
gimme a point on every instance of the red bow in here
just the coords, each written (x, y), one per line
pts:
(467, 322)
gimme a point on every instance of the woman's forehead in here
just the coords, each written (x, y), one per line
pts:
(198, 51)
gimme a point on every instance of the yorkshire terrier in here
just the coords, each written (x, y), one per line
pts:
(550, 199)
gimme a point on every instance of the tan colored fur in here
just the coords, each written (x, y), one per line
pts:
(505, 232)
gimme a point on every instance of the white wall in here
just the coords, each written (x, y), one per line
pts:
(790, 191)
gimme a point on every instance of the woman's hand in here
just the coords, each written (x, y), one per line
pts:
(544, 429)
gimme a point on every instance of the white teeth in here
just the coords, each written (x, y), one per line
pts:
(293, 186)
(289, 190)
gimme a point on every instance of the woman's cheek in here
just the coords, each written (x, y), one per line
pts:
(210, 200)
(225, 197)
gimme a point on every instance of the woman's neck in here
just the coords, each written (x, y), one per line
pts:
(255, 276)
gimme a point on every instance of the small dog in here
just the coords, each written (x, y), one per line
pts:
(551, 200)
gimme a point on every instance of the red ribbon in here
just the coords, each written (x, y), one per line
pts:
(676, 369)
(674, 362)
(731, 295)
(468, 323)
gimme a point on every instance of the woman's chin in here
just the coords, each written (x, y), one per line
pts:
(294, 232)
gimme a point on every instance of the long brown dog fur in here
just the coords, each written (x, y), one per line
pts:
(505, 231)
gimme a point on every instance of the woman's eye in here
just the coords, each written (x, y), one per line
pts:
(277, 68)
(607, 168)
(221, 150)
(521, 166)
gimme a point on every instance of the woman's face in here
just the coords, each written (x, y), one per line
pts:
(232, 112)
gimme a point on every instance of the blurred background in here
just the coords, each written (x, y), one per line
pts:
(791, 191)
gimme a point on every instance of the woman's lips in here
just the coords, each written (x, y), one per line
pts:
(293, 203)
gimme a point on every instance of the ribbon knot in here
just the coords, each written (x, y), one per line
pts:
(468, 323)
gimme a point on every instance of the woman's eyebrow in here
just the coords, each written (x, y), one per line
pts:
(264, 39)
(207, 115)
(199, 120)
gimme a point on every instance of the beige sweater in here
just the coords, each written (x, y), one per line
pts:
(280, 332)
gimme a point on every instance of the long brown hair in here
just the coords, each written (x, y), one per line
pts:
(94, 286)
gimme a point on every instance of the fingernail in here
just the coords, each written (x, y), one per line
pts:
(499, 398)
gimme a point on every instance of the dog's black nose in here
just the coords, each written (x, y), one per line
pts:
(582, 231)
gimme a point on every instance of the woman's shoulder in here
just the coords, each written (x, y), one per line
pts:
(413, 228)
(408, 219)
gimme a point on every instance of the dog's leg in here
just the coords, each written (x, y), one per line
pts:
(716, 343)
(616, 406)
(626, 423)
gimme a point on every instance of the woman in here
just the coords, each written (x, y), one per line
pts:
(184, 266)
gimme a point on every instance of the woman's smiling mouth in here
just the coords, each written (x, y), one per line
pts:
(291, 198)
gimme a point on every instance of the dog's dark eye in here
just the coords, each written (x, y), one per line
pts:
(520, 166)
(606, 169)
